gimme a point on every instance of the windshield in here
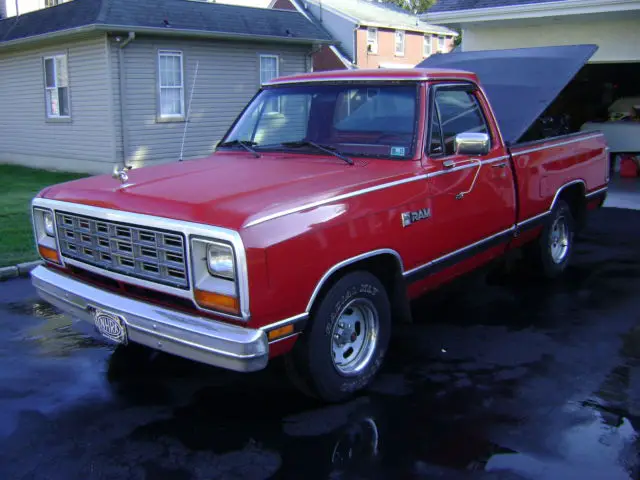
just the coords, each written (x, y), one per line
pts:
(357, 120)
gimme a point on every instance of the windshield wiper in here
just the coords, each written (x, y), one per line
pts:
(246, 144)
(325, 148)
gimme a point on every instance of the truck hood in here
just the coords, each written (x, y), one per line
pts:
(227, 189)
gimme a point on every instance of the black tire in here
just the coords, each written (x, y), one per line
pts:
(310, 364)
(541, 252)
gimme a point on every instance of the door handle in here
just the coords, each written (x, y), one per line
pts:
(448, 164)
(499, 165)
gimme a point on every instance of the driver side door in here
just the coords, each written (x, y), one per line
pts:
(473, 197)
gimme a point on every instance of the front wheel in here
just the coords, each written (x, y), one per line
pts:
(552, 252)
(344, 345)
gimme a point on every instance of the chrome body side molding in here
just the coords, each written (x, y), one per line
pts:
(364, 191)
(350, 261)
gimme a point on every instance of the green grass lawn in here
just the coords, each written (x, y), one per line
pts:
(18, 185)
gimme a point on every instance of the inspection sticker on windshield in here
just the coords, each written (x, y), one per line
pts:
(397, 151)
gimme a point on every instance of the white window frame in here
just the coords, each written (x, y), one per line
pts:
(263, 56)
(171, 116)
(441, 43)
(56, 87)
(402, 34)
(372, 43)
(427, 41)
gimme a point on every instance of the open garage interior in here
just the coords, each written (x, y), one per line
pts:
(600, 92)
(604, 97)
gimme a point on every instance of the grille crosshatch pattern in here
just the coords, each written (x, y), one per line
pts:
(145, 253)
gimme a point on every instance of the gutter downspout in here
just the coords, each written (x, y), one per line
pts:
(310, 61)
(123, 104)
(355, 45)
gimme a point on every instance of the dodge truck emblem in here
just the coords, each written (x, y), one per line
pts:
(412, 217)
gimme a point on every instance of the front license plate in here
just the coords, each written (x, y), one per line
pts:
(110, 326)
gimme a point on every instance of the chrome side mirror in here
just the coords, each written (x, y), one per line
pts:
(471, 143)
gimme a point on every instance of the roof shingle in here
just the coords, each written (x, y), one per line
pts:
(183, 15)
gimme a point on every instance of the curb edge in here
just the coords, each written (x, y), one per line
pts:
(19, 270)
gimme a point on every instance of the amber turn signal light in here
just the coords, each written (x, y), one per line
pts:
(217, 301)
(49, 254)
(280, 332)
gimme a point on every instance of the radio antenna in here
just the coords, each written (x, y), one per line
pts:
(186, 123)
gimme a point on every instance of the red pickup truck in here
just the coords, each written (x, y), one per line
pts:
(333, 200)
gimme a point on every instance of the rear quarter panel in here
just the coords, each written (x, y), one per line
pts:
(543, 168)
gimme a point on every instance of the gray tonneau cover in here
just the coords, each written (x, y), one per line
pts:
(521, 82)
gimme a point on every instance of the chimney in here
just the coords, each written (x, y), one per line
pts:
(3, 9)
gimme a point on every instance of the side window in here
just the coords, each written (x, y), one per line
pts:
(435, 144)
(459, 112)
(171, 84)
(270, 69)
(56, 77)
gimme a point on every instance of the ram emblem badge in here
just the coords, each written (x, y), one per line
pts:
(412, 217)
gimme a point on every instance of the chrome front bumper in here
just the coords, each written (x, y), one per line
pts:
(190, 336)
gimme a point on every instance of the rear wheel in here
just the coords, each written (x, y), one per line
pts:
(552, 252)
(345, 343)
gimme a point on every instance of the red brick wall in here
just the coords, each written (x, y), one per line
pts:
(325, 59)
(413, 48)
(283, 5)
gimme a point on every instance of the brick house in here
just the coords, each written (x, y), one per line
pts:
(370, 34)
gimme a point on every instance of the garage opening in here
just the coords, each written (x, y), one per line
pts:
(601, 97)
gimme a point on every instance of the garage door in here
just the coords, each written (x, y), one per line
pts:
(618, 39)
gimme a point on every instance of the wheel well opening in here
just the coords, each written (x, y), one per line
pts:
(574, 195)
(386, 268)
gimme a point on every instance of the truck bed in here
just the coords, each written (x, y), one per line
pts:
(544, 167)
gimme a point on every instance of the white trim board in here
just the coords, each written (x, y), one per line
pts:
(534, 10)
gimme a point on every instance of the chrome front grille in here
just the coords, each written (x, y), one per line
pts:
(145, 253)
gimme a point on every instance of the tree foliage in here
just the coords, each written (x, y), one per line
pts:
(414, 6)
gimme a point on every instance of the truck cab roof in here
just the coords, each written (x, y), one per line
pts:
(378, 74)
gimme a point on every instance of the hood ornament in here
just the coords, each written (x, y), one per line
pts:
(121, 174)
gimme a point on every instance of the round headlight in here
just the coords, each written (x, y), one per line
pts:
(48, 224)
(220, 261)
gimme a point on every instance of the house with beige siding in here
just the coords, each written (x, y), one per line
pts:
(88, 84)
(370, 34)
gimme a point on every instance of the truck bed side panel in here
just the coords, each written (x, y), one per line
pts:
(544, 168)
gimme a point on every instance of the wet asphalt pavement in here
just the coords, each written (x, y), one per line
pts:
(503, 378)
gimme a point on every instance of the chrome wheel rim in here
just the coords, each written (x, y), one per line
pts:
(559, 240)
(354, 337)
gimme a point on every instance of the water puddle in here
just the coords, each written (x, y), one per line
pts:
(54, 335)
(38, 309)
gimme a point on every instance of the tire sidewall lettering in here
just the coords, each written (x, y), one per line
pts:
(322, 370)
